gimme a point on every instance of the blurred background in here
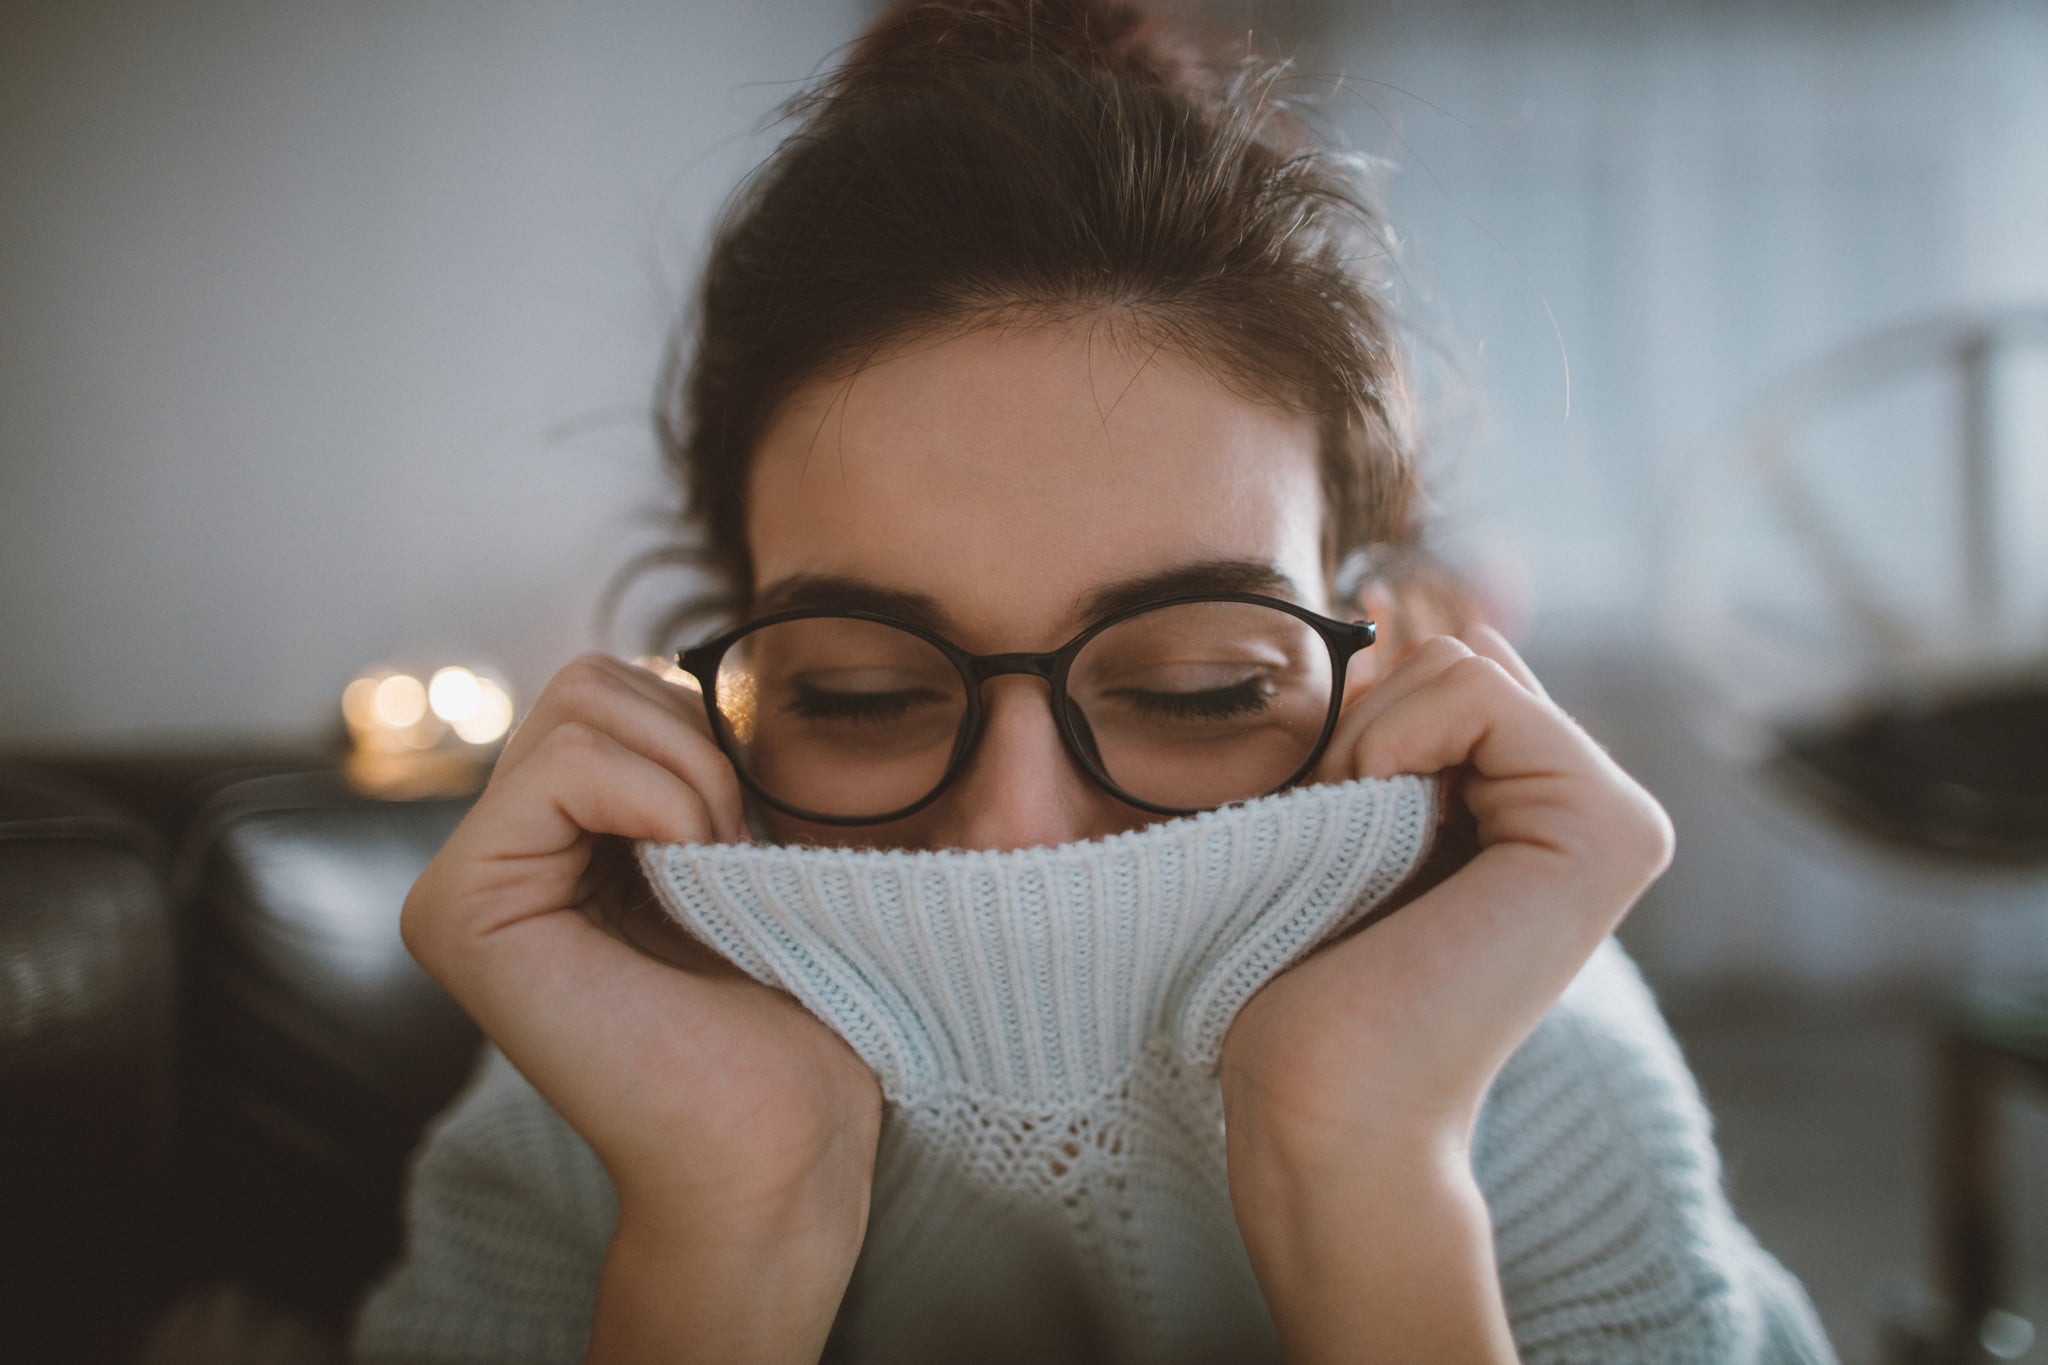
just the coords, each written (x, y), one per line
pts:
(330, 335)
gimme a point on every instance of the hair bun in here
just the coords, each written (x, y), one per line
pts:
(913, 37)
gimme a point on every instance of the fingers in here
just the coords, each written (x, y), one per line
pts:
(685, 696)
(580, 780)
(1423, 666)
(602, 753)
(1526, 771)
(652, 718)
(1437, 699)
(1489, 643)
(587, 689)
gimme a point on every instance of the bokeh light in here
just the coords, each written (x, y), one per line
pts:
(489, 718)
(455, 693)
(400, 701)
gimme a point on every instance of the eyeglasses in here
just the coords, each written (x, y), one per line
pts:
(1174, 706)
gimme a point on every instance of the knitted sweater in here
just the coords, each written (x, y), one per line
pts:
(1050, 1183)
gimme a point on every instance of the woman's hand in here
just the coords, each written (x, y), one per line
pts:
(738, 1131)
(1352, 1081)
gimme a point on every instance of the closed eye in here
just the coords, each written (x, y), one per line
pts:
(818, 703)
(1248, 697)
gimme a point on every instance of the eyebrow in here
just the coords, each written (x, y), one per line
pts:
(1207, 575)
(837, 592)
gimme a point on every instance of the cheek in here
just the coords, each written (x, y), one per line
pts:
(776, 828)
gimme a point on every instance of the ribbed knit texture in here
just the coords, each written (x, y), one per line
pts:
(1045, 1024)
(1050, 1185)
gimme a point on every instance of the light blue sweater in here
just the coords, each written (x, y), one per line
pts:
(1614, 1239)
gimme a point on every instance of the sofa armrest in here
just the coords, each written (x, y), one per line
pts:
(87, 1008)
(315, 1049)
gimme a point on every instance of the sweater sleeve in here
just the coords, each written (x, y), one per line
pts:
(1614, 1237)
(508, 1216)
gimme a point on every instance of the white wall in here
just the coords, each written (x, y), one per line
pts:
(1680, 202)
(329, 331)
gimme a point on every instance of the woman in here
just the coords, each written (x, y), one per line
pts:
(1038, 320)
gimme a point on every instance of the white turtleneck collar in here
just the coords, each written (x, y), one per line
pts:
(1045, 1023)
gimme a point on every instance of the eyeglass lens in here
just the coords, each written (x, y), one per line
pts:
(1190, 706)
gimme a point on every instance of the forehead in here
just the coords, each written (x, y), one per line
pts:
(1005, 473)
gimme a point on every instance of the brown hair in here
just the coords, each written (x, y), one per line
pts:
(994, 159)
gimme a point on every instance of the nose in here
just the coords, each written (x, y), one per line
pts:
(1022, 789)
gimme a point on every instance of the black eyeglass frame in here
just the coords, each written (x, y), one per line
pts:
(1342, 638)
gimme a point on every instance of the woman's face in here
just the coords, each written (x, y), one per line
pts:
(1006, 477)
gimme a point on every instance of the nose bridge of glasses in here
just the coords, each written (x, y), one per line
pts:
(989, 666)
(1075, 731)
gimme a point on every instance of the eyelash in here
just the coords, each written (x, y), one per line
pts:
(1239, 699)
(813, 703)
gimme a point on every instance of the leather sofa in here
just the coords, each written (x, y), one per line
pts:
(215, 1052)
